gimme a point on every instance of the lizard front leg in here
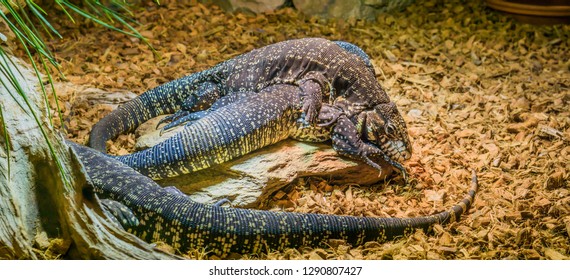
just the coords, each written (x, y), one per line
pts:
(347, 141)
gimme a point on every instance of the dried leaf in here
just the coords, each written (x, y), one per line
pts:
(485, 94)
(552, 254)
(390, 56)
(436, 196)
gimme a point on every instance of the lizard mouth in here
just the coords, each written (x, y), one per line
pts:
(396, 150)
(391, 152)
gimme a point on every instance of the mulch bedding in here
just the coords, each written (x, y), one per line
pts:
(477, 89)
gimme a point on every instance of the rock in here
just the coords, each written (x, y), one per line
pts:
(366, 9)
(147, 135)
(93, 96)
(250, 179)
(255, 6)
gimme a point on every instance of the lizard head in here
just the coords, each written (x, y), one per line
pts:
(385, 128)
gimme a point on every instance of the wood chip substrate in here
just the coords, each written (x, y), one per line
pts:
(477, 89)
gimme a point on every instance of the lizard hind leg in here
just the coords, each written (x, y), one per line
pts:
(202, 98)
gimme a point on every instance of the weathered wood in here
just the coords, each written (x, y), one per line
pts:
(35, 196)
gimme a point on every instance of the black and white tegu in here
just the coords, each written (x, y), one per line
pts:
(237, 106)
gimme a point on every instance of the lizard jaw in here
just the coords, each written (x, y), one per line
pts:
(371, 152)
(396, 150)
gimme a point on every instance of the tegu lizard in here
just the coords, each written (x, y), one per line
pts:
(339, 98)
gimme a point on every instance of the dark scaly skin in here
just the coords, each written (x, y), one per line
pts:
(328, 76)
(156, 214)
(207, 86)
(257, 120)
(351, 48)
(209, 93)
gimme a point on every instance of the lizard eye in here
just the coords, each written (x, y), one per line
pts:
(390, 129)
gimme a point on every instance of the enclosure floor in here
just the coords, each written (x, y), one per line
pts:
(477, 89)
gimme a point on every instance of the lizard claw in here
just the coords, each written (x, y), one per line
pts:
(164, 120)
(180, 118)
(396, 165)
(172, 119)
(174, 123)
(373, 164)
(310, 113)
(386, 158)
(402, 170)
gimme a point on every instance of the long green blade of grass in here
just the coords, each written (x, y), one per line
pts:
(21, 31)
(28, 38)
(7, 147)
(39, 43)
(95, 19)
(31, 110)
(39, 14)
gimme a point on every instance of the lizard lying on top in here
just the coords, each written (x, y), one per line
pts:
(339, 99)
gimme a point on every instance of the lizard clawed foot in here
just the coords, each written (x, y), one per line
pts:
(119, 213)
(393, 163)
(172, 118)
(329, 114)
(333, 120)
(310, 113)
(402, 170)
(368, 161)
(179, 118)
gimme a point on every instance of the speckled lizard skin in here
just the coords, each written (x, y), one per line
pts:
(339, 98)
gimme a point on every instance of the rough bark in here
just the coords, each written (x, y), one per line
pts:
(37, 198)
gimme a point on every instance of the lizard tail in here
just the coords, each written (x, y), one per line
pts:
(164, 99)
(445, 217)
